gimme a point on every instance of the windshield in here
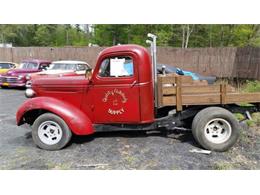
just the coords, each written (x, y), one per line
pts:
(5, 66)
(29, 65)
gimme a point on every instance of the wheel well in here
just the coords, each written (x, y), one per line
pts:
(187, 115)
(32, 115)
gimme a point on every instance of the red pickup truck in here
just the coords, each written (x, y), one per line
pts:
(121, 94)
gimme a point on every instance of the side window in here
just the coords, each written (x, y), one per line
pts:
(117, 67)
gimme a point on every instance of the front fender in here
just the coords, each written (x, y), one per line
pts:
(78, 122)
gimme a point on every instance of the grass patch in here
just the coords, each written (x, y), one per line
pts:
(223, 166)
(256, 118)
(250, 123)
(251, 86)
(59, 166)
(255, 122)
(239, 116)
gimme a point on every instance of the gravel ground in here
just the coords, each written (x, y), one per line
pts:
(124, 150)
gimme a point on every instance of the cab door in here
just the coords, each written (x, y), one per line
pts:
(115, 90)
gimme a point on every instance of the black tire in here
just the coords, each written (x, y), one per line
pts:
(209, 114)
(66, 132)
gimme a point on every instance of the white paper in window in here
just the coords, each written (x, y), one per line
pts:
(117, 67)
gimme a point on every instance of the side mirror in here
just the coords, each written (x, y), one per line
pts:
(88, 73)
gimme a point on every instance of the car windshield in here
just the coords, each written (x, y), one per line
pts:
(29, 65)
(5, 65)
(59, 66)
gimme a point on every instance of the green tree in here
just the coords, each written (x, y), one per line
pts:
(174, 35)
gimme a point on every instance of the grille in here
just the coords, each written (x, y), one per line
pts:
(11, 79)
(8, 79)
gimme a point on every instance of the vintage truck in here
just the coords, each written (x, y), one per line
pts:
(123, 92)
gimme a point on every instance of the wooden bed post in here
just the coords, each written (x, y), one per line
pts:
(178, 93)
(160, 91)
(223, 93)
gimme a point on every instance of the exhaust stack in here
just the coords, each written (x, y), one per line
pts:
(154, 64)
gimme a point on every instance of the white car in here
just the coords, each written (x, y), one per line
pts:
(60, 68)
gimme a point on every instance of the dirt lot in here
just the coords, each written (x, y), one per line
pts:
(127, 150)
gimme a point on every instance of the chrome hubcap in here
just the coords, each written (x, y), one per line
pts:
(50, 132)
(218, 131)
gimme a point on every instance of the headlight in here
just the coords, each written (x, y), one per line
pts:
(28, 77)
(20, 77)
(29, 93)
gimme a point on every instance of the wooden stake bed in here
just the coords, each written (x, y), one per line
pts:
(177, 90)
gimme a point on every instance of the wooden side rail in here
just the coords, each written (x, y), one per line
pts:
(176, 90)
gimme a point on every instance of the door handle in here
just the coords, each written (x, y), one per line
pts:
(133, 84)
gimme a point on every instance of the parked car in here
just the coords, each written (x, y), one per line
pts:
(59, 69)
(195, 76)
(17, 77)
(5, 66)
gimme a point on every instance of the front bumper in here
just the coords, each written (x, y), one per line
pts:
(11, 81)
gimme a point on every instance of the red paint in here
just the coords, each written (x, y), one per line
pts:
(101, 100)
(77, 121)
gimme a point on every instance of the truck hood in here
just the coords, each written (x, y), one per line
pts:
(69, 89)
(56, 82)
(18, 71)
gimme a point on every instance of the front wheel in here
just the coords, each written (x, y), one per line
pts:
(50, 132)
(216, 129)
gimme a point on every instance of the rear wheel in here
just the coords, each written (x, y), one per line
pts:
(50, 132)
(216, 129)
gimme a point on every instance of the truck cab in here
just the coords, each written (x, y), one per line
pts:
(121, 86)
(119, 91)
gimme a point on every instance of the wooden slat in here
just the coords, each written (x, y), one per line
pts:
(200, 83)
(202, 99)
(169, 101)
(196, 89)
(201, 89)
(169, 90)
(168, 79)
(186, 80)
(243, 98)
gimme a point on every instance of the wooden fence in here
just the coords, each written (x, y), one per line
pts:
(221, 62)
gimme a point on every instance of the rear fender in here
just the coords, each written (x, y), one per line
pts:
(78, 122)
